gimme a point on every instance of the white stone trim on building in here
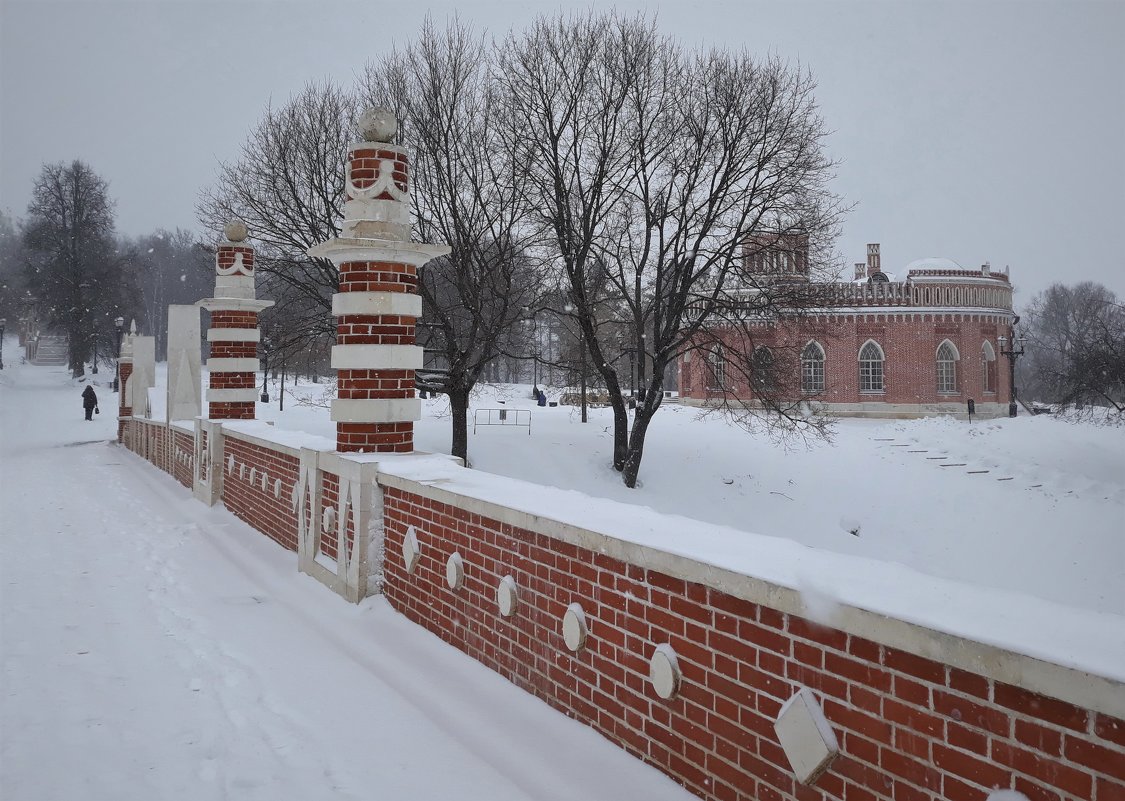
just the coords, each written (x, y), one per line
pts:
(227, 395)
(403, 304)
(378, 410)
(234, 335)
(376, 357)
(227, 365)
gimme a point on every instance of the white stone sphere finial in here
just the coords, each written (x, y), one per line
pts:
(235, 231)
(378, 125)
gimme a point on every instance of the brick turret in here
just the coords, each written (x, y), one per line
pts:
(124, 370)
(378, 301)
(234, 333)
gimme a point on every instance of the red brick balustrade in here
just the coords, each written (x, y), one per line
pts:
(909, 727)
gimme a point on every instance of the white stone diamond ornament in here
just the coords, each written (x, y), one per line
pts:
(806, 736)
(507, 596)
(328, 518)
(411, 550)
(277, 488)
(664, 671)
(455, 571)
(574, 627)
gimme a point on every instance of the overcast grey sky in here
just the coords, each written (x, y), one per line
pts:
(973, 130)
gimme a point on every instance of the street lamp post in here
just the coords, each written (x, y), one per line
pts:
(119, 326)
(94, 369)
(3, 322)
(265, 369)
(1012, 353)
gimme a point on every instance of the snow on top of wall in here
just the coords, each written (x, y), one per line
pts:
(1081, 639)
(286, 438)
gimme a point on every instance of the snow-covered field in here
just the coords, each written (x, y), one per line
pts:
(1032, 505)
(152, 648)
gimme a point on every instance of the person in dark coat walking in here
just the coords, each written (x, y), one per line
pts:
(89, 401)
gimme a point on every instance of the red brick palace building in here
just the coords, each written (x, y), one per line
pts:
(917, 342)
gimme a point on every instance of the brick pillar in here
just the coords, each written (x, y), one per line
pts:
(234, 334)
(377, 303)
(124, 370)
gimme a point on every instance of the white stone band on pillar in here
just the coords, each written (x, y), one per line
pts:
(234, 335)
(376, 410)
(403, 304)
(244, 365)
(247, 395)
(376, 357)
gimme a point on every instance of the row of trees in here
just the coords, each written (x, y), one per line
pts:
(65, 264)
(1075, 352)
(588, 168)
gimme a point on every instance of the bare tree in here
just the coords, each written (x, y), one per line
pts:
(288, 186)
(1076, 346)
(660, 166)
(469, 194)
(73, 267)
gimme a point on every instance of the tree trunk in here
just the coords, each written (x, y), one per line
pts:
(459, 405)
(646, 410)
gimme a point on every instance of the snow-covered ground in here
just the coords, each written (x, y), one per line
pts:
(1032, 505)
(154, 648)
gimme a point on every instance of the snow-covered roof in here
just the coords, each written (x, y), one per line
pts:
(932, 263)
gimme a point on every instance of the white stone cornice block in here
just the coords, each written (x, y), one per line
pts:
(245, 365)
(376, 357)
(376, 410)
(343, 250)
(402, 304)
(227, 395)
(234, 304)
(234, 335)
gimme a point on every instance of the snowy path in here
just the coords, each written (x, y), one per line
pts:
(154, 648)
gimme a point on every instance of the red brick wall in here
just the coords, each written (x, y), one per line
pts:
(909, 728)
(258, 507)
(909, 343)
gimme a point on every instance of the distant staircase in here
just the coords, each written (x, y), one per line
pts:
(51, 351)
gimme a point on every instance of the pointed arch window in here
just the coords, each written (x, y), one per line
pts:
(761, 369)
(718, 362)
(812, 368)
(871, 361)
(947, 358)
(988, 366)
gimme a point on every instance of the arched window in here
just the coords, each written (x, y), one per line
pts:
(761, 369)
(718, 361)
(947, 357)
(871, 367)
(812, 368)
(988, 366)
